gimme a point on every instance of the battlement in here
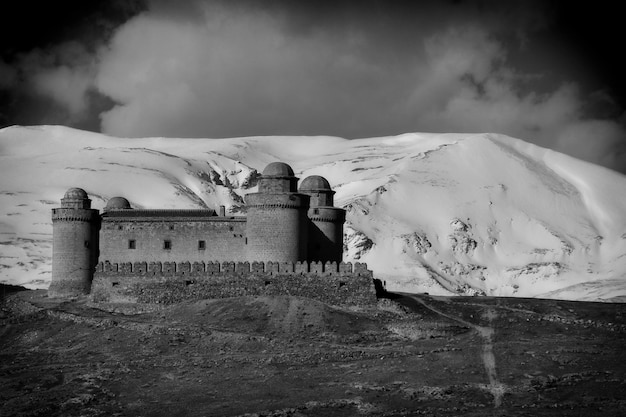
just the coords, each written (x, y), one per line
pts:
(163, 214)
(279, 200)
(74, 215)
(186, 269)
(172, 282)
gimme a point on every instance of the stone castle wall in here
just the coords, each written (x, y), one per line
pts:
(74, 250)
(325, 233)
(171, 282)
(284, 226)
(224, 238)
(277, 227)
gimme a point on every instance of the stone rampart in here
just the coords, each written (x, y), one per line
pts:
(155, 269)
(172, 282)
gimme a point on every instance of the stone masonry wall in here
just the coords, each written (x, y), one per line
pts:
(74, 250)
(170, 282)
(326, 234)
(224, 239)
(277, 227)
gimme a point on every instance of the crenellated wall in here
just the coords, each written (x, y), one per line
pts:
(242, 268)
(171, 282)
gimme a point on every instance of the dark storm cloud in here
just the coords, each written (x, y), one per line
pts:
(348, 68)
(344, 68)
(48, 59)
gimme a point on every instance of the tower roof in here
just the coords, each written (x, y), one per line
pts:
(315, 183)
(75, 194)
(117, 203)
(278, 169)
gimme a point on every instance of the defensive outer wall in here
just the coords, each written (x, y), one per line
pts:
(171, 282)
(290, 242)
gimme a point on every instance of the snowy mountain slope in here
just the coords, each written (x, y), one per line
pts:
(470, 214)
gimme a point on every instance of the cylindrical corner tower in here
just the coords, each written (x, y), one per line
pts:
(326, 221)
(277, 227)
(75, 228)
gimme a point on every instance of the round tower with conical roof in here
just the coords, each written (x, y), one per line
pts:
(326, 221)
(75, 228)
(277, 224)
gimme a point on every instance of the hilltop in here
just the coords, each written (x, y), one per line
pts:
(290, 356)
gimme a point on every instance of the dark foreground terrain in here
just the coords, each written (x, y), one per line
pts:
(287, 356)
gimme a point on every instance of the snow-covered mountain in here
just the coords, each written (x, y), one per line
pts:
(441, 213)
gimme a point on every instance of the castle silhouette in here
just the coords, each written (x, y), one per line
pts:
(123, 253)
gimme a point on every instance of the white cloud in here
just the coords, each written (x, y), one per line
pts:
(68, 86)
(598, 141)
(64, 74)
(214, 70)
(230, 77)
(466, 86)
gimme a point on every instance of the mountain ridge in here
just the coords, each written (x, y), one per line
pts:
(441, 213)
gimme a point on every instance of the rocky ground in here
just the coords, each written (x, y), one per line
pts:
(287, 356)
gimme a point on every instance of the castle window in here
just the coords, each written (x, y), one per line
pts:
(167, 244)
(230, 228)
(171, 227)
(316, 211)
(201, 245)
(132, 244)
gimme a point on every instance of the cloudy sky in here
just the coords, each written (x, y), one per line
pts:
(549, 72)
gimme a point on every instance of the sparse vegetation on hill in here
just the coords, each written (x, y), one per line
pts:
(290, 356)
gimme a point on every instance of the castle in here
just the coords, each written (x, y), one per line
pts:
(290, 243)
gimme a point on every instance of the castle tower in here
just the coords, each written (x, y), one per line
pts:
(75, 228)
(117, 203)
(326, 221)
(277, 217)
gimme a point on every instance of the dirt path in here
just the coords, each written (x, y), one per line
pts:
(496, 388)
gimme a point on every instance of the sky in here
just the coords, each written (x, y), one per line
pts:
(548, 72)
